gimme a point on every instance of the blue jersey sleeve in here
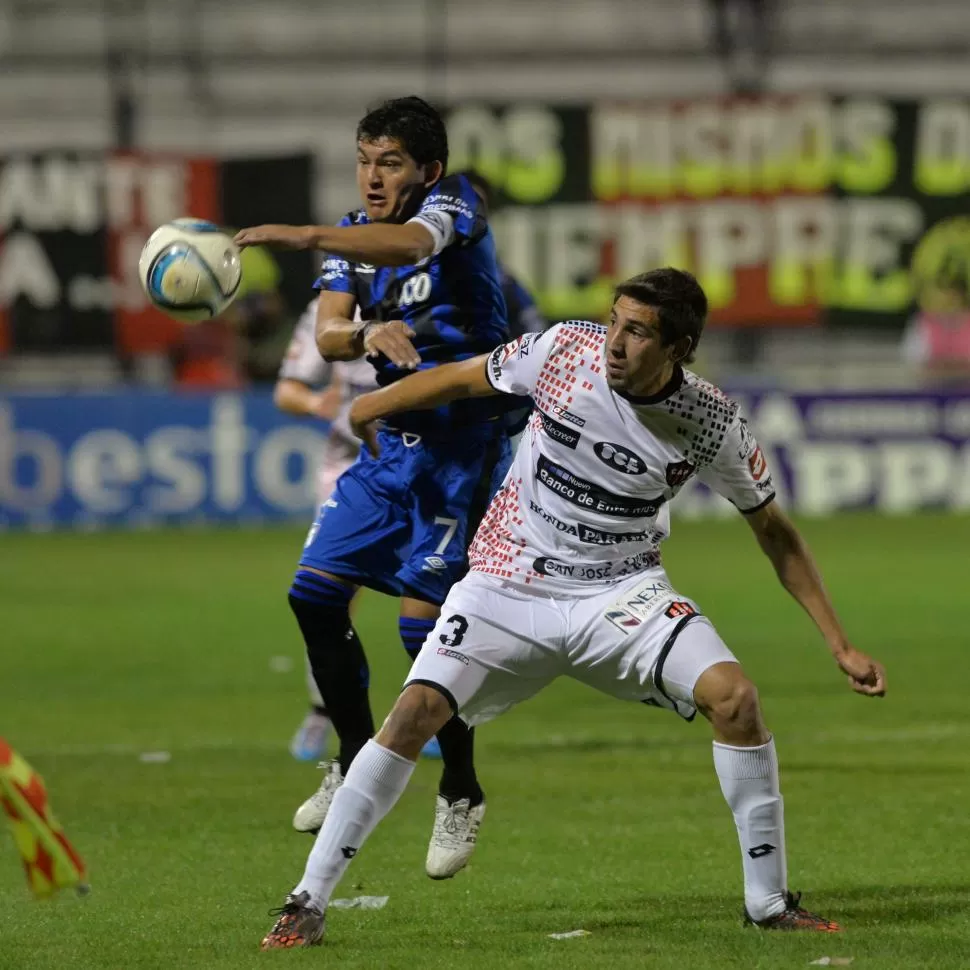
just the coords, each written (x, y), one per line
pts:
(338, 275)
(453, 211)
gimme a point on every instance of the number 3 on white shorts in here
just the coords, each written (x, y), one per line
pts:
(451, 527)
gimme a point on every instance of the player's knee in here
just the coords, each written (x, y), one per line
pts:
(729, 700)
(417, 716)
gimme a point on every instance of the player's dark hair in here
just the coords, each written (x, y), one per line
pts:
(412, 122)
(678, 299)
(481, 185)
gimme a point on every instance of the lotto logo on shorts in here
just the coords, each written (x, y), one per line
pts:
(453, 654)
(622, 620)
(678, 610)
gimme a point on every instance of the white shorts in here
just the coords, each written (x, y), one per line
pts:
(497, 644)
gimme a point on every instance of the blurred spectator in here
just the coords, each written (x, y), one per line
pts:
(938, 336)
(742, 37)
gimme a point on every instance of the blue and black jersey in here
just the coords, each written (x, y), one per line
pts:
(452, 300)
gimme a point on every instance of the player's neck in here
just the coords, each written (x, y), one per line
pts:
(661, 387)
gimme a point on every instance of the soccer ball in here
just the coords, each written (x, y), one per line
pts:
(190, 269)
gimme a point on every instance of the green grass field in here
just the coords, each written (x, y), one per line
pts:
(602, 816)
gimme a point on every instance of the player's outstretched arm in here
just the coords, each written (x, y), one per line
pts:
(796, 568)
(294, 397)
(427, 389)
(378, 243)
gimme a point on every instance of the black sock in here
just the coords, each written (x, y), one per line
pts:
(457, 740)
(319, 708)
(458, 778)
(336, 658)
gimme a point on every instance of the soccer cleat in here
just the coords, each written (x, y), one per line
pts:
(310, 815)
(453, 837)
(793, 917)
(310, 741)
(298, 924)
(432, 749)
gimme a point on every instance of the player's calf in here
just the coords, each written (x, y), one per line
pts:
(420, 712)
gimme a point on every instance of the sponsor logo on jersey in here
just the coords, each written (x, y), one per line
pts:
(679, 610)
(620, 458)
(586, 495)
(600, 538)
(453, 654)
(678, 472)
(434, 564)
(623, 620)
(451, 204)
(757, 464)
(560, 412)
(645, 601)
(548, 517)
(498, 360)
(559, 432)
(584, 571)
(552, 567)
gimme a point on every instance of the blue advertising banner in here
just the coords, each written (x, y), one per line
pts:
(141, 459)
(893, 452)
(137, 460)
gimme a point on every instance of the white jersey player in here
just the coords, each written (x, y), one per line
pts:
(310, 386)
(566, 576)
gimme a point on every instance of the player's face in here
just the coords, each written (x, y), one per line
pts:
(388, 179)
(637, 362)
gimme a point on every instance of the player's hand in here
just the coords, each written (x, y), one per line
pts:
(393, 340)
(866, 676)
(282, 237)
(362, 425)
(327, 403)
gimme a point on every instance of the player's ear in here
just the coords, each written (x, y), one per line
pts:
(432, 173)
(680, 349)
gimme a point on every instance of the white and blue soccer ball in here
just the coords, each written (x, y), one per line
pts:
(190, 269)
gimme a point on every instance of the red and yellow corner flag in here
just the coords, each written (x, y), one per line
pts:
(50, 860)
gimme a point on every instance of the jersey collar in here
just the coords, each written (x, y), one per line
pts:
(671, 387)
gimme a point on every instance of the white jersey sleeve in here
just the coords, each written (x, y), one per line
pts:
(514, 368)
(302, 361)
(740, 471)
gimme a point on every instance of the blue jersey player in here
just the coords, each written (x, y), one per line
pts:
(418, 262)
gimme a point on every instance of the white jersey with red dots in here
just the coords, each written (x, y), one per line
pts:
(586, 501)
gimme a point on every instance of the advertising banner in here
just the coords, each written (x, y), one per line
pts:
(789, 209)
(141, 459)
(137, 460)
(72, 227)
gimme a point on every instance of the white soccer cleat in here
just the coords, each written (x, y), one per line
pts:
(453, 837)
(310, 815)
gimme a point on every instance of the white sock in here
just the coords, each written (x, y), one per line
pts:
(374, 782)
(749, 781)
(316, 698)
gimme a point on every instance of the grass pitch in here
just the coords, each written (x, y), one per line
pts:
(602, 816)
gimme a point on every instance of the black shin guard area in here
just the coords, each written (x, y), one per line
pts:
(340, 671)
(458, 779)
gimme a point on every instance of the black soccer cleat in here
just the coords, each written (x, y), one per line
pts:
(298, 924)
(793, 917)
